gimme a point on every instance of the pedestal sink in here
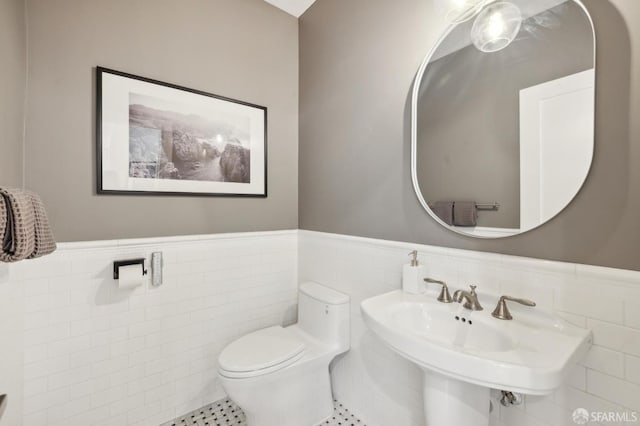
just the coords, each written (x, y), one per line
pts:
(463, 354)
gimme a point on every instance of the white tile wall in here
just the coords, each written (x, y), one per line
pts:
(384, 389)
(11, 345)
(76, 350)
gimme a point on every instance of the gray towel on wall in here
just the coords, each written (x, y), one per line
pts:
(44, 242)
(3, 221)
(8, 228)
(465, 213)
(444, 210)
(18, 240)
(24, 228)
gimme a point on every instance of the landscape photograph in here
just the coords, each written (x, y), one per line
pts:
(169, 140)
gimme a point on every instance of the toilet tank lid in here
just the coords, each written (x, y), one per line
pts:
(323, 294)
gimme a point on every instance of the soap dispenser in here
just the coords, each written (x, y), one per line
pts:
(412, 274)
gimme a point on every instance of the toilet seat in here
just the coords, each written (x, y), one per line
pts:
(261, 352)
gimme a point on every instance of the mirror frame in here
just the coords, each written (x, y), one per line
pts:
(414, 131)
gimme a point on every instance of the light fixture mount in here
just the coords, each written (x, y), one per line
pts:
(496, 26)
(459, 11)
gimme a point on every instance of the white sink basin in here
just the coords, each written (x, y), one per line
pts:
(440, 326)
(532, 354)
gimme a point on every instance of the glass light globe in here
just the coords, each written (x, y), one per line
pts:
(496, 26)
(458, 11)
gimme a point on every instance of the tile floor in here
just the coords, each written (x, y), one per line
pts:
(342, 416)
(225, 413)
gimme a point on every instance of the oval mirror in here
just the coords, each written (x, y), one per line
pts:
(503, 117)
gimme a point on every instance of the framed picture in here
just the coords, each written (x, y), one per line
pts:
(162, 139)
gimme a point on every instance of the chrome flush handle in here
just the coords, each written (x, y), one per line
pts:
(444, 296)
(502, 311)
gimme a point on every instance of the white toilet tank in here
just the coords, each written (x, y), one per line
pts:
(324, 314)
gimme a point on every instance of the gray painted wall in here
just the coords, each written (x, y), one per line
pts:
(246, 50)
(12, 90)
(469, 118)
(358, 61)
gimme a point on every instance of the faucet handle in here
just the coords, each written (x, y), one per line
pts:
(473, 289)
(444, 296)
(502, 311)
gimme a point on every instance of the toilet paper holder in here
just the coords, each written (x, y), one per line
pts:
(118, 263)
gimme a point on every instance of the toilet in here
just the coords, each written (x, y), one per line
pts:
(280, 375)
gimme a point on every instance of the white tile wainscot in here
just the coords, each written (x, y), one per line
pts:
(384, 389)
(84, 353)
(91, 354)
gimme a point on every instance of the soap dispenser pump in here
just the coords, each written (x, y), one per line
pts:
(412, 274)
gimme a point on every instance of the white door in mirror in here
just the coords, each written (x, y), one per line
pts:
(556, 124)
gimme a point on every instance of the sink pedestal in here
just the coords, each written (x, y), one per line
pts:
(449, 401)
(473, 347)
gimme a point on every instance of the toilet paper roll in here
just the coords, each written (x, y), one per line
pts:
(130, 276)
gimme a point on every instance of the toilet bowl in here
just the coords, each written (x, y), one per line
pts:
(280, 375)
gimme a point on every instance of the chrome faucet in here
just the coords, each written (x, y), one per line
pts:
(444, 296)
(502, 312)
(470, 299)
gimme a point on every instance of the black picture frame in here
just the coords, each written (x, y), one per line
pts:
(119, 174)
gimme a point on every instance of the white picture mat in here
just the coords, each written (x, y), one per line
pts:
(115, 138)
